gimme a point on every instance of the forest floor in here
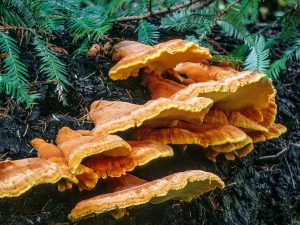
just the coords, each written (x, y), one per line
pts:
(258, 190)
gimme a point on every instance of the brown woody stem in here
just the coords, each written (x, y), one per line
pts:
(164, 11)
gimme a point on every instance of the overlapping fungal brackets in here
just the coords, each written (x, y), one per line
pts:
(216, 107)
(107, 156)
(133, 56)
(242, 109)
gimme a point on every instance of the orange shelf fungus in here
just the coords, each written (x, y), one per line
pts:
(183, 186)
(274, 131)
(204, 135)
(134, 56)
(142, 152)
(52, 153)
(78, 145)
(17, 177)
(248, 119)
(269, 112)
(238, 152)
(161, 87)
(216, 107)
(216, 116)
(253, 113)
(200, 72)
(231, 150)
(126, 48)
(220, 138)
(233, 93)
(113, 116)
(124, 182)
(230, 147)
(85, 178)
(240, 120)
(241, 90)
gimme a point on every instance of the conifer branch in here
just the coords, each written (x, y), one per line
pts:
(222, 12)
(165, 10)
(9, 28)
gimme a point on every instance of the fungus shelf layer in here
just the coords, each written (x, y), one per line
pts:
(183, 186)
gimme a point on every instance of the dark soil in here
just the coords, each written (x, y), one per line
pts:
(258, 191)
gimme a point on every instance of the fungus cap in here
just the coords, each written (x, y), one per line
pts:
(253, 113)
(113, 116)
(52, 153)
(244, 89)
(159, 58)
(161, 87)
(124, 182)
(126, 48)
(17, 177)
(200, 72)
(216, 116)
(231, 155)
(204, 135)
(230, 147)
(274, 131)
(269, 112)
(77, 145)
(249, 118)
(142, 152)
(179, 186)
(240, 120)
(85, 178)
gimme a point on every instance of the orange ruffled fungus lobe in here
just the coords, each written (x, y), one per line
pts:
(179, 186)
(230, 93)
(257, 123)
(77, 145)
(52, 153)
(85, 178)
(142, 152)
(246, 146)
(134, 56)
(200, 72)
(204, 135)
(187, 73)
(243, 99)
(17, 177)
(161, 87)
(233, 93)
(226, 139)
(274, 131)
(113, 116)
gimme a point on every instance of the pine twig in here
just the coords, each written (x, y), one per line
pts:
(150, 8)
(274, 156)
(164, 11)
(6, 27)
(222, 12)
(218, 17)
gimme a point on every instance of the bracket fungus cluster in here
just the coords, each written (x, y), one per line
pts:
(220, 109)
(133, 56)
(242, 106)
